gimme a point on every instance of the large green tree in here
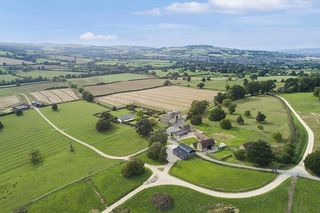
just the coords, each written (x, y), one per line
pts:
(217, 114)
(260, 153)
(144, 127)
(312, 162)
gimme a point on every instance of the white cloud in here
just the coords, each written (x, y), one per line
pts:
(89, 36)
(152, 12)
(247, 5)
(188, 7)
(171, 26)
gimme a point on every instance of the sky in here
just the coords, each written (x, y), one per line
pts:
(243, 24)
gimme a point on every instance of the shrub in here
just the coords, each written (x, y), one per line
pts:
(240, 120)
(261, 117)
(153, 121)
(133, 167)
(226, 102)
(277, 136)
(196, 120)
(36, 157)
(19, 112)
(223, 208)
(200, 85)
(247, 113)
(20, 210)
(240, 154)
(144, 127)
(218, 99)
(260, 153)
(87, 96)
(232, 108)
(154, 150)
(163, 154)
(1, 125)
(106, 115)
(103, 125)
(159, 136)
(203, 79)
(312, 162)
(71, 148)
(316, 91)
(54, 107)
(225, 124)
(167, 83)
(162, 201)
(260, 127)
(217, 114)
(120, 209)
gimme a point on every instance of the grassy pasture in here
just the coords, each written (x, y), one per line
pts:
(76, 119)
(107, 78)
(306, 196)
(81, 196)
(29, 88)
(187, 200)
(21, 181)
(308, 106)
(45, 74)
(12, 61)
(277, 120)
(8, 77)
(217, 177)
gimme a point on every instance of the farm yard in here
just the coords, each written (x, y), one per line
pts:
(162, 98)
(8, 101)
(20, 180)
(125, 86)
(107, 78)
(77, 119)
(55, 96)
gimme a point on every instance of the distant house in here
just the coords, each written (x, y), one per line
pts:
(22, 107)
(206, 144)
(200, 136)
(184, 152)
(171, 118)
(177, 132)
(36, 103)
(246, 146)
(126, 118)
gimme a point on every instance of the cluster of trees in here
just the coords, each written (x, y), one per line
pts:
(54, 107)
(144, 127)
(259, 153)
(304, 84)
(36, 157)
(134, 167)
(23, 80)
(312, 162)
(87, 96)
(104, 122)
(157, 146)
(196, 111)
(257, 87)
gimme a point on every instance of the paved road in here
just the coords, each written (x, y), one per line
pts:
(160, 174)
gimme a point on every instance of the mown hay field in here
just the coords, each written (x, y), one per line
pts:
(125, 86)
(55, 96)
(162, 98)
(8, 101)
(20, 180)
(108, 78)
(11, 61)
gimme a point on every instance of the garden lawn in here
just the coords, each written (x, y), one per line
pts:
(77, 119)
(107, 78)
(306, 196)
(220, 178)
(189, 141)
(112, 185)
(80, 198)
(308, 107)
(20, 180)
(187, 200)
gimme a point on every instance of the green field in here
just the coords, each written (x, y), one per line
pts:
(138, 63)
(308, 106)
(21, 181)
(8, 77)
(76, 119)
(45, 74)
(306, 196)
(189, 141)
(161, 73)
(187, 200)
(220, 178)
(278, 119)
(29, 88)
(144, 157)
(107, 78)
(82, 197)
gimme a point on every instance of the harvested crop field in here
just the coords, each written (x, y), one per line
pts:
(162, 98)
(125, 86)
(12, 61)
(55, 96)
(8, 101)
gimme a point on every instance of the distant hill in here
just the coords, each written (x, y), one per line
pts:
(305, 51)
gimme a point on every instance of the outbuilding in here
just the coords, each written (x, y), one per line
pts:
(126, 118)
(206, 144)
(184, 152)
